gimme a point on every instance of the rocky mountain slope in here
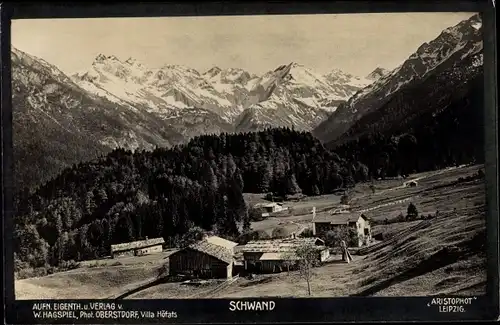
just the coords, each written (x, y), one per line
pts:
(457, 86)
(452, 46)
(291, 95)
(377, 74)
(56, 123)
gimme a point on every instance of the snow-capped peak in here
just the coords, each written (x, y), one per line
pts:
(103, 58)
(212, 72)
(337, 76)
(377, 73)
(132, 61)
(296, 65)
(477, 25)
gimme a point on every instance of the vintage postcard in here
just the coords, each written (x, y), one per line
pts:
(260, 156)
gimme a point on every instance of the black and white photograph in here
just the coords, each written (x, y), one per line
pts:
(286, 156)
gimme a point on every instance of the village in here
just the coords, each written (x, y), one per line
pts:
(216, 257)
(325, 246)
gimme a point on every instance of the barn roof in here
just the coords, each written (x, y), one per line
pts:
(278, 257)
(338, 218)
(216, 240)
(219, 252)
(278, 245)
(137, 244)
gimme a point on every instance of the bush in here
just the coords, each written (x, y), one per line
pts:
(345, 199)
(279, 232)
(306, 233)
(380, 236)
(69, 265)
(255, 214)
(252, 235)
(193, 235)
(412, 212)
(400, 218)
(334, 237)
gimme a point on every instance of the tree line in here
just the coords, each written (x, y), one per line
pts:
(125, 196)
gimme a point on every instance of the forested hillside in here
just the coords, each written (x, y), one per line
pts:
(436, 124)
(127, 196)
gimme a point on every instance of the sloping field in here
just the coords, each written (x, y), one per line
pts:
(106, 280)
(393, 229)
(178, 291)
(98, 282)
(446, 257)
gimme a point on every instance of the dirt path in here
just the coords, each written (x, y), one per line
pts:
(385, 205)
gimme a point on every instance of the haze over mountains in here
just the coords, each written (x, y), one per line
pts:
(60, 120)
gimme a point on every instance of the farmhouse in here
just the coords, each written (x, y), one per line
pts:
(270, 256)
(268, 208)
(211, 257)
(330, 221)
(138, 248)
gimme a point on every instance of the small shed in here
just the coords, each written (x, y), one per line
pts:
(138, 248)
(268, 208)
(329, 221)
(412, 184)
(212, 257)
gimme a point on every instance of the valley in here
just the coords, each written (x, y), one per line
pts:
(422, 272)
(127, 152)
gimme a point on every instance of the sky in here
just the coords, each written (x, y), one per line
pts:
(354, 43)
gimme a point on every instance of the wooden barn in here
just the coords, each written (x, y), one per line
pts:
(272, 256)
(329, 221)
(210, 258)
(138, 248)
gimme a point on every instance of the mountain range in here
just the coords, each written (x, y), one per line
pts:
(289, 95)
(61, 119)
